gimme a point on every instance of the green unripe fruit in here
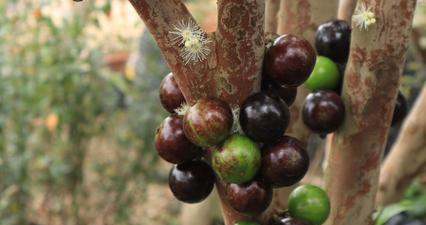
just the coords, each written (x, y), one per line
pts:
(310, 204)
(237, 160)
(246, 222)
(325, 75)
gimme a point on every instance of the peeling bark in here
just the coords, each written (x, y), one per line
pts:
(346, 10)
(369, 91)
(271, 13)
(407, 159)
(232, 69)
(240, 47)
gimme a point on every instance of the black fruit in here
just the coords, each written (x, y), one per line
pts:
(285, 162)
(323, 112)
(191, 182)
(171, 142)
(279, 91)
(400, 111)
(171, 96)
(290, 60)
(263, 118)
(333, 40)
(252, 197)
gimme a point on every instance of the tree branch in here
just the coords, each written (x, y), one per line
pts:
(240, 48)
(161, 17)
(271, 15)
(407, 158)
(346, 9)
(370, 87)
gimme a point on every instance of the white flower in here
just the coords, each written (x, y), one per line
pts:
(193, 41)
(181, 111)
(364, 17)
(236, 127)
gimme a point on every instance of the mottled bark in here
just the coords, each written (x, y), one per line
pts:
(271, 13)
(369, 91)
(346, 9)
(231, 70)
(407, 159)
(240, 47)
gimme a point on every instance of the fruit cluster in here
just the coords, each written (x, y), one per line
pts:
(203, 146)
(323, 110)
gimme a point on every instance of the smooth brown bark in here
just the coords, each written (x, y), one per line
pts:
(370, 87)
(271, 13)
(407, 159)
(346, 9)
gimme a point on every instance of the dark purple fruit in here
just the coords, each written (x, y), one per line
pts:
(191, 182)
(171, 96)
(279, 91)
(171, 142)
(290, 60)
(323, 112)
(285, 162)
(263, 118)
(333, 40)
(400, 111)
(252, 197)
(208, 122)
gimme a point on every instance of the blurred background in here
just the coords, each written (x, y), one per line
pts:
(79, 107)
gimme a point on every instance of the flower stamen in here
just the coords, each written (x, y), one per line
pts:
(364, 17)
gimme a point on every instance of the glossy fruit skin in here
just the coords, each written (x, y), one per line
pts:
(279, 91)
(326, 75)
(171, 96)
(191, 182)
(171, 142)
(323, 112)
(309, 203)
(290, 60)
(400, 111)
(333, 40)
(246, 222)
(286, 220)
(264, 119)
(252, 197)
(208, 122)
(285, 162)
(237, 160)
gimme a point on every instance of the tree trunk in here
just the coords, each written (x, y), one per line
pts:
(370, 88)
(407, 158)
(346, 9)
(232, 69)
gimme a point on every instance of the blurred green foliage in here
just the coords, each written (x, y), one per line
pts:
(56, 96)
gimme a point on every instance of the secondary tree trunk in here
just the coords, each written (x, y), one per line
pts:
(407, 158)
(370, 87)
(346, 9)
